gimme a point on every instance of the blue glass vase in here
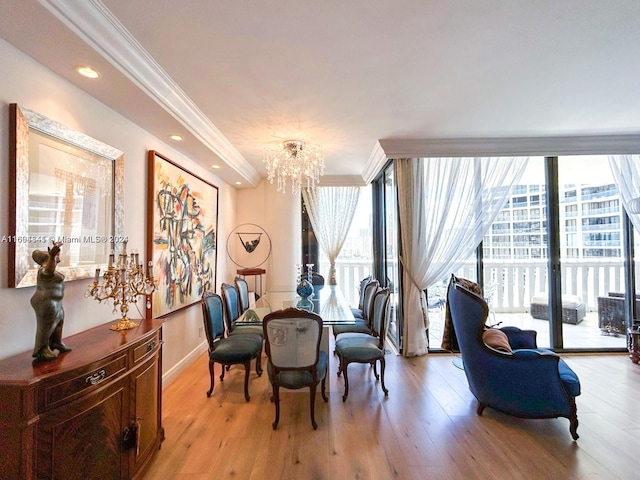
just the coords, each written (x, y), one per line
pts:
(305, 290)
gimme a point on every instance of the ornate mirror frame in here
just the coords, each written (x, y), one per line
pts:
(22, 240)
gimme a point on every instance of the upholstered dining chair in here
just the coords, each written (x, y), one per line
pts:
(243, 294)
(357, 311)
(237, 349)
(294, 357)
(511, 376)
(362, 324)
(232, 312)
(363, 347)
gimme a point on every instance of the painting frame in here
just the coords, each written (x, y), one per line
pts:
(182, 235)
(76, 162)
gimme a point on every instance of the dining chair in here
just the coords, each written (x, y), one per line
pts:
(363, 347)
(294, 357)
(237, 349)
(232, 312)
(243, 294)
(361, 324)
(357, 311)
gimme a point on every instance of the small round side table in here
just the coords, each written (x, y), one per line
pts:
(634, 344)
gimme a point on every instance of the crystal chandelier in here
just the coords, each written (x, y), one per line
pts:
(296, 161)
(123, 282)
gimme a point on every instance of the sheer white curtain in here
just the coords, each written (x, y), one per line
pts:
(331, 211)
(626, 173)
(446, 205)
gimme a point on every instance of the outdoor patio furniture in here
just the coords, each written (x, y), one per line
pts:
(573, 309)
(611, 316)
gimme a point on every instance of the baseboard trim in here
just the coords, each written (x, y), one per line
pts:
(178, 368)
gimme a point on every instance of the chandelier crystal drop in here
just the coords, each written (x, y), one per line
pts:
(295, 161)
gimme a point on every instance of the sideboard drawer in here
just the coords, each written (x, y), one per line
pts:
(146, 348)
(81, 382)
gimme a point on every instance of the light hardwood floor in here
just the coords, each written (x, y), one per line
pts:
(426, 428)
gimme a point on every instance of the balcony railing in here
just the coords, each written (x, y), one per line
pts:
(513, 282)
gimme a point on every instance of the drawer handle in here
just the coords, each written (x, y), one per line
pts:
(97, 377)
(151, 345)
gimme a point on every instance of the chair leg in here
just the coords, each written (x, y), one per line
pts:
(480, 409)
(276, 400)
(259, 363)
(382, 366)
(375, 370)
(346, 381)
(212, 375)
(247, 368)
(224, 368)
(573, 420)
(323, 389)
(312, 405)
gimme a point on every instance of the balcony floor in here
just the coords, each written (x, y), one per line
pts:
(585, 335)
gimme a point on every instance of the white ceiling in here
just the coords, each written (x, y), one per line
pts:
(235, 77)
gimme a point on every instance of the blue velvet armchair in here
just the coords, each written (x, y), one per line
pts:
(527, 382)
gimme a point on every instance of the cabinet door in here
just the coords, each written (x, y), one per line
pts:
(145, 407)
(83, 440)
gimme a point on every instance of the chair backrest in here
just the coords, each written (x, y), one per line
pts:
(316, 278)
(379, 314)
(361, 286)
(243, 294)
(369, 292)
(292, 338)
(231, 304)
(212, 314)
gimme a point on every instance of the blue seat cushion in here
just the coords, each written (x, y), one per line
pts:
(358, 347)
(244, 329)
(236, 349)
(568, 376)
(360, 326)
(357, 313)
(295, 379)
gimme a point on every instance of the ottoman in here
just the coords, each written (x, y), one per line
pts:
(573, 310)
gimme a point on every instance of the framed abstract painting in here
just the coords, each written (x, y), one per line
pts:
(182, 235)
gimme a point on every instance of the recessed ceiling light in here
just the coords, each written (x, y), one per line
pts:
(87, 72)
(176, 137)
(215, 166)
(238, 183)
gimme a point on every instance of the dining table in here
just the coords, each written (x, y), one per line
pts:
(328, 301)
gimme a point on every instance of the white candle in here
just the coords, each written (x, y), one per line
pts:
(97, 275)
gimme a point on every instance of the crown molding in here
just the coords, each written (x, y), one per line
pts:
(100, 29)
(377, 160)
(514, 146)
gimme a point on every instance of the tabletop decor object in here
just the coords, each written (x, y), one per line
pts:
(304, 287)
(124, 281)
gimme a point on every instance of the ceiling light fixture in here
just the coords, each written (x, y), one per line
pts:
(176, 137)
(295, 161)
(87, 72)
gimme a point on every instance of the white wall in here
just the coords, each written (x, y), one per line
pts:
(279, 215)
(24, 81)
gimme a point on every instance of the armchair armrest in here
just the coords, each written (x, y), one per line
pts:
(519, 339)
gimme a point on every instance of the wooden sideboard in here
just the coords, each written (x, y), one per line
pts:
(94, 412)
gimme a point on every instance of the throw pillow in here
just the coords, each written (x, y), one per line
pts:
(496, 339)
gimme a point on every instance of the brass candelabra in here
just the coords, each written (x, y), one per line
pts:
(124, 281)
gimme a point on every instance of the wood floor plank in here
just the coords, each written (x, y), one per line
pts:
(426, 428)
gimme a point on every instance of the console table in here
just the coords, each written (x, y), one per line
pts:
(94, 412)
